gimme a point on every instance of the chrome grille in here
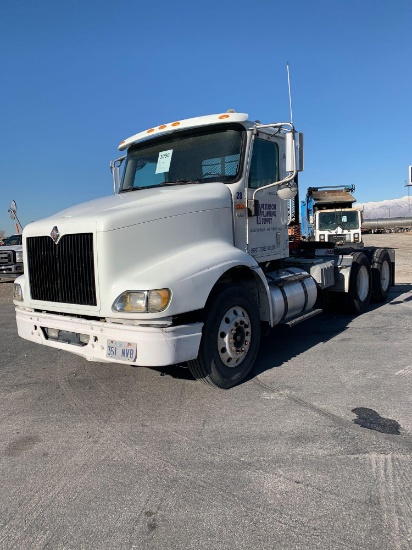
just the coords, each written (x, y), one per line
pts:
(336, 238)
(6, 257)
(62, 272)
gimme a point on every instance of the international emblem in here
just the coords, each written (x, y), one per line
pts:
(55, 234)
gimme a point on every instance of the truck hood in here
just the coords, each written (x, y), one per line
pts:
(136, 207)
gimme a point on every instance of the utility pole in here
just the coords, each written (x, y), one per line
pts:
(408, 185)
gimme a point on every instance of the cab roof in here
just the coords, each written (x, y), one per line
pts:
(196, 122)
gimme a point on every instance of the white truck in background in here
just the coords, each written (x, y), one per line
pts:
(327, 215)
(190, 258)
(11, 258)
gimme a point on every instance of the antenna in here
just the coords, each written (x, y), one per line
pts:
(290, 94)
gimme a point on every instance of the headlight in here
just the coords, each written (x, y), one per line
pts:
(17, 292)
(19, 256)
(321, 237)
(142, 301)
(356, 237)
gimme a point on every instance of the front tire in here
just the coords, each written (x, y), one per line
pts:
(230, 341)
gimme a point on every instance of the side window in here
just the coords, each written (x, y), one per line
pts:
(264, 166)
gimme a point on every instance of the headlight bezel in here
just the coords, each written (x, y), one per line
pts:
(17, 294)
(143, 301)
(19, 256)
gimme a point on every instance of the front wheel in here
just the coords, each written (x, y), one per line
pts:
(230, 341)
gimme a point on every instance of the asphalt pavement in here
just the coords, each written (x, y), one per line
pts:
(312, 451)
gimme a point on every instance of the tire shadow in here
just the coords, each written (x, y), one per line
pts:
(284, 343)
(397, 291)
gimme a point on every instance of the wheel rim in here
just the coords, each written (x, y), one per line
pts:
(385, 276)
(234, 335)
(363, 283)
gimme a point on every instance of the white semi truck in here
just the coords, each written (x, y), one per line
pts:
(327, 215)
(190, 258)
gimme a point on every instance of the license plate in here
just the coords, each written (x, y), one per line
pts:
(126, 351)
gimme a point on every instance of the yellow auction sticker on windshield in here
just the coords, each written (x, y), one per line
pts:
(163, 162)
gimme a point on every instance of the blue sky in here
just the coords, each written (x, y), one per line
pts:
(79, 77)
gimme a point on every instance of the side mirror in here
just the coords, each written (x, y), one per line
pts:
(13, 215)
(287, 191)
(13, 210)
(115, 170)
(294, 152)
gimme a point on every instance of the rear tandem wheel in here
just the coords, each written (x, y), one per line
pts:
(360, 285)
(381, 266)
(356, 301)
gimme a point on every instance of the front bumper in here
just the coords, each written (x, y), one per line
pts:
(156, 346)
(11, 271)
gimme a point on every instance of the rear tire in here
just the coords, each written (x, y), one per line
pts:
(381, 267)
(359, 295)
(230, 341)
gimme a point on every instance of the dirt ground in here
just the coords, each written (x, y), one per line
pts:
(401, 242)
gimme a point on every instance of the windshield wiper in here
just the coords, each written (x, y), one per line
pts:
(180, 182)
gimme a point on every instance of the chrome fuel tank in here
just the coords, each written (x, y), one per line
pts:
(292, 291)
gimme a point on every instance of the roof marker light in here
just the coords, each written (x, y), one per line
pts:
(175, 123)
(162, 127)
(224, 116)
(150, 131)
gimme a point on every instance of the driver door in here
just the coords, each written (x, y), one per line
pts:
(266, 229)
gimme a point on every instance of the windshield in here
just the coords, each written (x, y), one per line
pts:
(186, 157)
(13, 240)
(329, 221)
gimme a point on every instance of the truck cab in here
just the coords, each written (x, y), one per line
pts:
(328, 216)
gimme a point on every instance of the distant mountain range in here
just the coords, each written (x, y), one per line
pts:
(394, 208)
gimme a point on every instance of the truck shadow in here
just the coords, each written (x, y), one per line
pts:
(283, 343)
